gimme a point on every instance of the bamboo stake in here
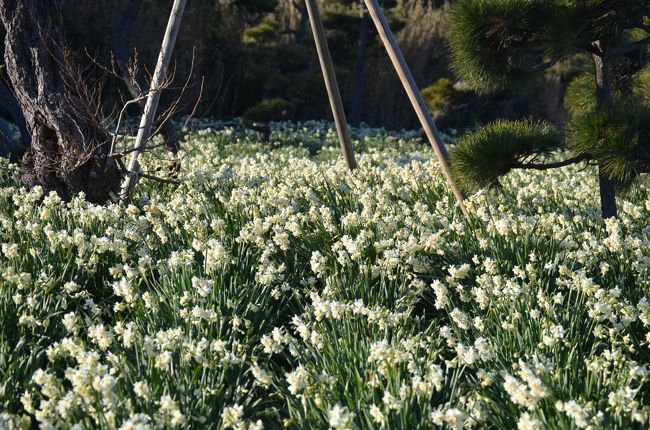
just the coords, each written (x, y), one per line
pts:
(414, 95)
(150, 108)
(330, 83)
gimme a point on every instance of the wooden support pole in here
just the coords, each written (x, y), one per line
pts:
(414, 95)
(330, 83)
(154, 96)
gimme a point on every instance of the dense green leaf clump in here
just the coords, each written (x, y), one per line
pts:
(491, 151)
(482, 34)
(580, 96)
(642, 85)
(500, 44)
(275, 109)
(617, 138)
(439, 94)
(263, 33)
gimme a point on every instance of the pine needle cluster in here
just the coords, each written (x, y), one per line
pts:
(501, 45)
(617, 138)
(490, 152)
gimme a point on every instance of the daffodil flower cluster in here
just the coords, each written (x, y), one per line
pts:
(273, 288)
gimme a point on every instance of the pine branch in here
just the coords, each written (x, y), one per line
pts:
(629, 48)
(589, 47)
(547, 166)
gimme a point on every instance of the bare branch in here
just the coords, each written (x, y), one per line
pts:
(157, 179)
(119, 120)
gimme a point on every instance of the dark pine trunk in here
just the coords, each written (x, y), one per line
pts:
(69, 153)
(604, 99)
(358, 81)
(301, 32)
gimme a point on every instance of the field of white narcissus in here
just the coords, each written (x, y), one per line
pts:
(274, 289)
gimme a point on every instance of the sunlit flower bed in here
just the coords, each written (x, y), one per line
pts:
(274, 289)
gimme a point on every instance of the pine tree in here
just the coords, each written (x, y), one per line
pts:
(501, 45)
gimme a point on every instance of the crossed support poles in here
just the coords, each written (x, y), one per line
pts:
(404, 73)
(334, 95)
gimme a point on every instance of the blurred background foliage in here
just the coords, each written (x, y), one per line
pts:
(255, 58)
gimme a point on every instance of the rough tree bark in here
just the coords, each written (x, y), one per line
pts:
(69, 151)
(5, 139)
(121, 54)
(604, 99)
(9, 103)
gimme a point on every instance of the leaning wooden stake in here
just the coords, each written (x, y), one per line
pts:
(414, 95)
(154, 96)
(330, 82)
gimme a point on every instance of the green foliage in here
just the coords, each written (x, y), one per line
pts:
(275, 109)
(485, 37)
(617, 138)
(279, 70)
(263, 33)
(580, 96)
(482, 156)
(341, 18)
(279, 58)
(498, 45)
(396, 20)
(642, 84)
(591, 20)
(439, 94)
(560, 29)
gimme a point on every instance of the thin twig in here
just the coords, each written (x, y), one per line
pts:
(157, 179)
(119, 120)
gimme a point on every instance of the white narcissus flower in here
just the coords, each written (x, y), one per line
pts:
(526, 422)
(232, 416)
(340, 418)
(141, 307)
